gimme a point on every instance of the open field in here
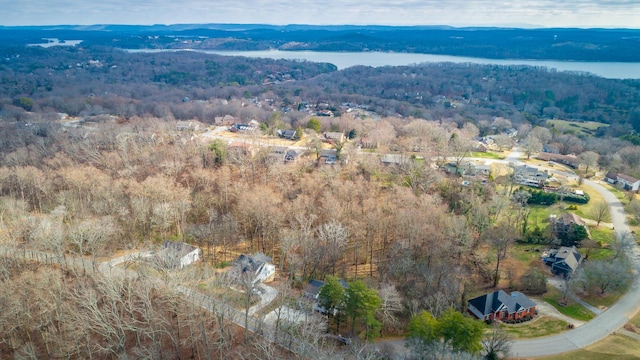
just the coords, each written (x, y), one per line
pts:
(587, 128)
(617, 347)
(542, 326)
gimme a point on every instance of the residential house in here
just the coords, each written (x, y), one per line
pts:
(176, 255)
(292, 155)
(611, 178)
(287, 134)
(329, 156)
(564, 261)
(333, 137)
(565, 223)
(628, 182)
(188, 126)
(511, 132)
(529, 175)
(256, 266)
(313, 290)
(499, 305)
(569, 160)
(226, 120)
(395, 159)
(277, 153)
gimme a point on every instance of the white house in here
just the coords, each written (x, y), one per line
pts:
(179, 254)
(257, 265)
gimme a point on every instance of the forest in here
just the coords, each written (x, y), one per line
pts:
(613, 45)
(407, 237)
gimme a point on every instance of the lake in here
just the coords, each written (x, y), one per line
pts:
(611, 70)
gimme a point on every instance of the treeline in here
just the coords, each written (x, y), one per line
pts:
(558, 44)
(98, 80)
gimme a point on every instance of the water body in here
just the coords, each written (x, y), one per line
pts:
(611, 70)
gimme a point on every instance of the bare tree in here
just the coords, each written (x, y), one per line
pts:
(496, 344)
(600, 212)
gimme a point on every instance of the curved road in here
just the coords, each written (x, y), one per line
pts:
(610, 320)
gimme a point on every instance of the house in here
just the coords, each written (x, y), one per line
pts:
(332, 137)
(611, 178)
(177, 255)
(569, 160)
(329, 156)
(511, 132)
(292, 155)
(499, 305)
(628, 183)
(313, 290)
(226, 120)
(564, 261)
(395, 159)
(256, 266)
(287, 134)
(187, 126)
(277, 153)
(564, 224)
(529, 175)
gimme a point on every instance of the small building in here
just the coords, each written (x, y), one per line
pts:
(313, 290)
(258, 266)
(177, 255)
(564, 261)
(569, 160)
(329, 156)
(499, 305)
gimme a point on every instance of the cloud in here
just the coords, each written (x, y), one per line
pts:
(552, 13)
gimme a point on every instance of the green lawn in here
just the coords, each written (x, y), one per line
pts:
(486, 155)
(586, 128)
(572, 309)
(603, 234)
(542, 326)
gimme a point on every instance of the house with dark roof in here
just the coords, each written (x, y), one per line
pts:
(329, 156)
(313, 290)
(499, 305)
(564, 261)
(257, 266)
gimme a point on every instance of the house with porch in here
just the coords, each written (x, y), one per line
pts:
(499, 305)
(563, 261)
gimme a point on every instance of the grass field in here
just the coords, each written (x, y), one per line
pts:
(572, 310)
(542, 326)
(486, 155)
(587, 128)
(617, 347)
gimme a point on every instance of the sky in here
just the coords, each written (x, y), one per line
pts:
(517, 13)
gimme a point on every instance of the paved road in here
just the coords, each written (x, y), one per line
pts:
(604, 324)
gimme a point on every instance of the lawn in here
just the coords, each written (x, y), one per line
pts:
(542, 326)
(617, 347)
(587, 128)
(486, 155)
(572, 310)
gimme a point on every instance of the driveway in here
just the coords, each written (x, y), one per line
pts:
(608, 321)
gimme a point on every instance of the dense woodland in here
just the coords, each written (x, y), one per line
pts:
(494, 43)
(127, 178)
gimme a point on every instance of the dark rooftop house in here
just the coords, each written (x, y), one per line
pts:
(564, 261)
(499, 305)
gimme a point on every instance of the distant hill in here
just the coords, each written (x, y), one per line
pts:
(618, 45)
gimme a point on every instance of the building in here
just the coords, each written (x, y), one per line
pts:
(530, 176)
(257, 266)
(564, 261)
(313, 290)
(499, 305)
(177, 255)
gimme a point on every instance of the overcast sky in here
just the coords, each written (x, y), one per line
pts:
(538, 13)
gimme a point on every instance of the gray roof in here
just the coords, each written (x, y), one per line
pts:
(492, 302)
(567, 257)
